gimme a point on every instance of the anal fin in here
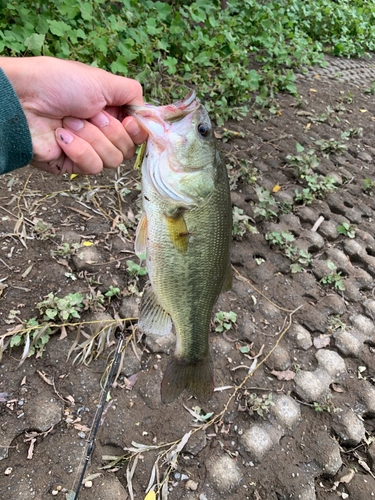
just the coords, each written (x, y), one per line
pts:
(196, 377)
(153, 319)
(141, 236)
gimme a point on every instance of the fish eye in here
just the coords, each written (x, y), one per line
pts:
(204, 129)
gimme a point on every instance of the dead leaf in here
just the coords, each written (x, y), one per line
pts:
(304, 113)
(276, 188)
(347, 477)
(129, 382)
(82, 428)
(336, 388)
(28, 270)
(322, 341)
(71, 399)
(31, 449)
(63, 333)
(285, 375)
(23, 381)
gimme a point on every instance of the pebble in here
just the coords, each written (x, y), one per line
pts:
(301, 336)
(88, 484)
(369, 306)
(257, 441)
(191, 485)
(55, 492)
(8, 471)
(223, 472)
(349, 427)
(286, 411)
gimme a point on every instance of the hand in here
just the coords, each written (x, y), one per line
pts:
(74, 112)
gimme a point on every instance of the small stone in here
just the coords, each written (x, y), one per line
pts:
(158, 343)
(365, 157)
(328, 229)
(101, 322)
(54, 492)
(331, 362)
(202, 496)
(351, 292)
(371, 455)
(8, 471)
(286, 411)
(223, 472)
(328, 454)
(349, 427)
(59, 488)
(88, 484)
(361, 487)
(279, 359)
(312, 386)
(129, 307)
(196, 443)
(131, 363)
(257, 441)
(369, 306)
(344, 495)
(348, 342)
(301, 336)
(184, 477)
(82, 435)
(367, 396)
(363, 324)
(87, 258)
(43, 415)
(191, 485)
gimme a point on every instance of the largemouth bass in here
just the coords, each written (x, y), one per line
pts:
(186, 231)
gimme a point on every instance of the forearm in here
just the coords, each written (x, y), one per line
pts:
(15, 140)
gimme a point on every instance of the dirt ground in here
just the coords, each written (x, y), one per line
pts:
(48, 405)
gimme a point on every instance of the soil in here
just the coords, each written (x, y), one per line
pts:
(51, 403)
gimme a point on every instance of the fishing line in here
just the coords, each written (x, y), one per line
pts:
(99, 416)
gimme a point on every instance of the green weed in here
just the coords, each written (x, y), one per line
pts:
(347, 229)
(225, 320)
(266, 203)
(241, 224)
(333, 278)
(300, 258)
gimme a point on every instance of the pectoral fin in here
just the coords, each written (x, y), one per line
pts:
(141, 236)
(153, 319)
(178, 232)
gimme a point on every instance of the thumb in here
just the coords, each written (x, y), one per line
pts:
(119, 90)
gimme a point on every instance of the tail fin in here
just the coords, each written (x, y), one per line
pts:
(196, 377)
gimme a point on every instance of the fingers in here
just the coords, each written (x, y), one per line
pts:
(137, 135)
(115, 132)
(110, 155)
(79, 152)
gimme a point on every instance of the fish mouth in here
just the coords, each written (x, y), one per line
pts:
(156, 120)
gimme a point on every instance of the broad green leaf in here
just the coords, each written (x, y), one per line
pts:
(35, 42)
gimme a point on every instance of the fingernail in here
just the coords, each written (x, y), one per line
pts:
(100, 120)
(132, 128)
(64, 135)
(73, 123)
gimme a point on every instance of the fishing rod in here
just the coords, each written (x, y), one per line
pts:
(96, 427)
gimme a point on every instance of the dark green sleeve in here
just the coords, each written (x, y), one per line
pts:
(16, 149)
